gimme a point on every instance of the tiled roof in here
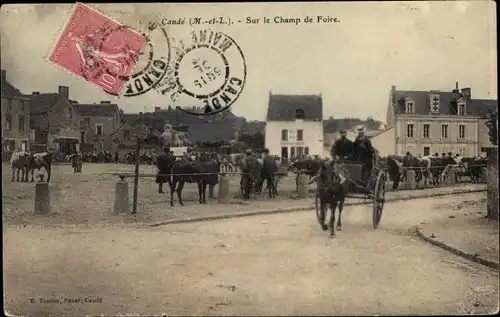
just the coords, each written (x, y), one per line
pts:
(212, 131)
(283, 107)
(421, 99)
(481, 107)
(104, 110)
(41, 103)
(10, 91)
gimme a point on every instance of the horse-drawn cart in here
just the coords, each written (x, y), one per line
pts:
(358, 187)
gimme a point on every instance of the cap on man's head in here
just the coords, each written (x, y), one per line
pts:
(407, 153)
(248, 151)
(450, 154)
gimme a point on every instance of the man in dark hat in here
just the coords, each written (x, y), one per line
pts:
(343, 147)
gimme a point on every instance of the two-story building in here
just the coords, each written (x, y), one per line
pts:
(55, 121)
(294, 125)
(15, 118)
(428, 122)
(99, 126)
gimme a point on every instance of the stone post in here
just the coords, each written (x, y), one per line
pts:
(411, 183)
(122, 203)
(42, 197)
(451, 177)
(224, 197)
(484, 175)
(303, 180)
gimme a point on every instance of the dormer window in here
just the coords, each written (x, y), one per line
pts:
(299, 114)
(434, 99)
(461, 109)
(410, 107)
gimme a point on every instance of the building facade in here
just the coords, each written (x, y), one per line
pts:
(55, 122)
(15, 118)
(294, 125)
(98, 127)
(428, 122)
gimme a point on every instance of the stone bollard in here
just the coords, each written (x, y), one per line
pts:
(411, 183)
(42, 197)
(224, 197)
(484, 175)
(122, 204)
(303, 180)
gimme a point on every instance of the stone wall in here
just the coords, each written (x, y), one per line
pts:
(493, 185)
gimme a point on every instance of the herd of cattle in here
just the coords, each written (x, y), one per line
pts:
(256, 170)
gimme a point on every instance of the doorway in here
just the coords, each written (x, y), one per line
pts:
(284, 152)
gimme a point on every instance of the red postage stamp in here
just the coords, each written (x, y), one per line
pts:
(98, 49)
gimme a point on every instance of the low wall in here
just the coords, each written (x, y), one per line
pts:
(493, 185)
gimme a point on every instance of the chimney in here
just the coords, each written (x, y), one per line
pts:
(157, 109)
(64, 91)
(456, 85)
(4, 75)
(393, 88)
(270, 93)
(35, 93)
(105, 102)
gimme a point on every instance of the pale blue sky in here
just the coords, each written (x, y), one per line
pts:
(413, 45)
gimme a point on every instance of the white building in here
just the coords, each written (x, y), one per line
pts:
(294, 125)
(428, 122)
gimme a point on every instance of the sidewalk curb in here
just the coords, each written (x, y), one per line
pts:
(471, 257)
(303, 208)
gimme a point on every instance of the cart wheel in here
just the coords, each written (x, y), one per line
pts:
(378, 199)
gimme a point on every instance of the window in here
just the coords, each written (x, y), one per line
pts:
(292, 151)
(427, 150)
(21, 105)
(461, 131)
(300, 151)
(463, 152)
(300, 135)
(9, 105)
(100, 145)
(8, 122)
(306, 150)
(98, 129)
(21, 123)
(284, 152)
(126, 134)
(82, 137)
(299, 114)
(70, 113)
(409, 107)
(426, 130)
(24, 146)
(284, 135)
(444, 131)
(409, 130)
(461, 109)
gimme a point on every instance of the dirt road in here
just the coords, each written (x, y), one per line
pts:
(273, 265)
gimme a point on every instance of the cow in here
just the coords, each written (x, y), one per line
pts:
(310, 167)
(37, 161)
(204, 171)
(474, 166)
(394, 167)
(19, 163)
(251, 174)
(278, 176)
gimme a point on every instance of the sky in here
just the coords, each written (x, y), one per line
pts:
(414, 45)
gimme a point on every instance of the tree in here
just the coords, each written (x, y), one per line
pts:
(492, 125)
(254, 140)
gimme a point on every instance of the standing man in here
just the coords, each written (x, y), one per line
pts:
(164, 164)
(364, 153)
